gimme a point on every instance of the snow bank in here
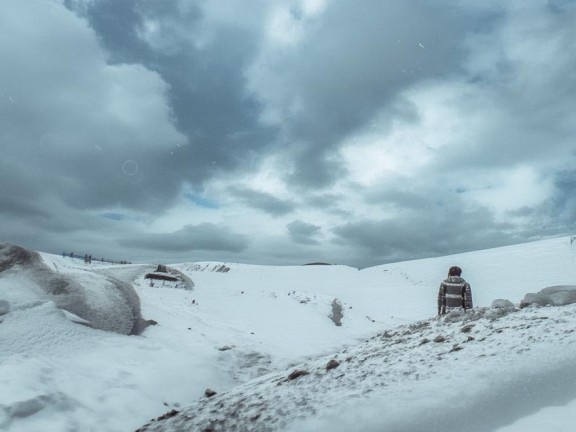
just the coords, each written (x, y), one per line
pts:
(106, 303)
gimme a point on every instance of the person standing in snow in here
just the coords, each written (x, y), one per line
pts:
(454, 292)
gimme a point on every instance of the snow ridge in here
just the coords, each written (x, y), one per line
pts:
(390, 368)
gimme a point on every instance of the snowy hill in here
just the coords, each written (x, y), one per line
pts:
(242, 331)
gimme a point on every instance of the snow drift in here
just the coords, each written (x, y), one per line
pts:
(103, 302)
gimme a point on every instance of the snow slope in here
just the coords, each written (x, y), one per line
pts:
(245, 329)
(429, 376)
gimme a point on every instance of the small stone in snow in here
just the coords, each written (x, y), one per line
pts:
(332, 364)
(209, 392)
(439, 339)
(297, 374)
(225, 348)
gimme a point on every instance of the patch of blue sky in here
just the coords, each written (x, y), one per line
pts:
(201, 201)
(114, 216)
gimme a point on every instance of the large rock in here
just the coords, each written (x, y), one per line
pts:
(558, 295)
(105, 302)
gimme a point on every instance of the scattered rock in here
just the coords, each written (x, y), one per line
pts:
(225, 348)
(424, 341)
(439, 339)
(467, 328)
(455, 348)
(419, 325)
(297, 374)
(209, 393)
(169, 414)
(332, 364)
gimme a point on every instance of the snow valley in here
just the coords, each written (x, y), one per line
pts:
(96, 347)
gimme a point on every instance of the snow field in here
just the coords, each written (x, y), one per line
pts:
(237, 330)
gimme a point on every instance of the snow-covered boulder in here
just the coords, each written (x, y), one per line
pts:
(559, 295)
(103, 301)
(500, 308)
(503, 304)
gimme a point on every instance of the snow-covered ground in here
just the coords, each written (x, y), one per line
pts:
(242, 331)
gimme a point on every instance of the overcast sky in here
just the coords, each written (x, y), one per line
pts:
(284, 132)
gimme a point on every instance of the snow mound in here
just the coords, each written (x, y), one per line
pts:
(559, 295)
(104, 302)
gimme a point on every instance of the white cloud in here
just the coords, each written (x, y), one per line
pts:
(513, 190)
(385, 150)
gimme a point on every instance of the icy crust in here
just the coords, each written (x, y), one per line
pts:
(410, 372)
(103, 302)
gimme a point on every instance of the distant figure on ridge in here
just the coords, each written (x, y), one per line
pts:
(454, 293)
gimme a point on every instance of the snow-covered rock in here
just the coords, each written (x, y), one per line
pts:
(105, 302)
(558, 295)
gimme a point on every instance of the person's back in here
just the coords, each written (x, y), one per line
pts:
(454, 292)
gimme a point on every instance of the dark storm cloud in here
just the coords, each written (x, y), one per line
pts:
(562, 205)
(423, 234)
(93, 134)
(264, 201)
(303, 233)
(522, 110)
(359, 57)
(113, 111)
(202, 237)
(205, 77)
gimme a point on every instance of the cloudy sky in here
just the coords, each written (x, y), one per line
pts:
(286, 131)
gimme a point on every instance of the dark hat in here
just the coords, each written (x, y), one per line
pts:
(454, 271)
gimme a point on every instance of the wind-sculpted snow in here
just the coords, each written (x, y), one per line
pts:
(104, 302)
(406, 375)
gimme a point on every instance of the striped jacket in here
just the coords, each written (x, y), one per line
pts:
(454, 293)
